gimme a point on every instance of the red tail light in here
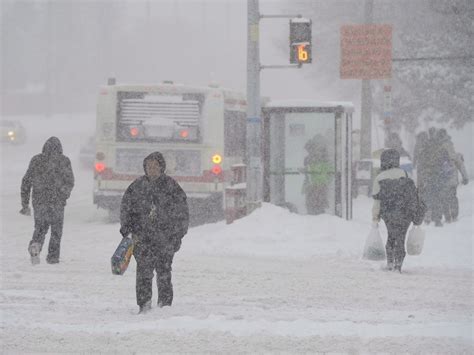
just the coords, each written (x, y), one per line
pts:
(184, 134)
(99, 167)
(216, 169)
(134, 131)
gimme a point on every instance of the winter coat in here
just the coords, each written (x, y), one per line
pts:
(50, 177)
(420, 154)
(450, 162)
(394, 173)
(434, 153)
(395, 195)
(155, 211)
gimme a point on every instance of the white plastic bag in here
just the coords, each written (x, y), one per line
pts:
(374, 248)
(415, 240)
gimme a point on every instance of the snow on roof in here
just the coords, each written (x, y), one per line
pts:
(308, 103)
(300, 20)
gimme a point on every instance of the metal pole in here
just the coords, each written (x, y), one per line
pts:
(254, 120)
(49, 61)
(366, 100)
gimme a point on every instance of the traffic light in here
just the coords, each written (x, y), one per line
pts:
(300, 41)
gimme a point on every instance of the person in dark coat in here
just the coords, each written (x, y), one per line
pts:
(154, 211)
(393, 141)
(420, 158)
(450, 163)
(390, 205)
(433, 181)
(51, 179)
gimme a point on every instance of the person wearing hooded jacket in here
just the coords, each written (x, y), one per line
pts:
(49, 180)
(154, 211)
(397, 217)
(450, 163)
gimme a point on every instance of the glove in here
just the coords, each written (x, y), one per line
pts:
(177, 245)
(124, 232)
(25, 211)
(465, 181)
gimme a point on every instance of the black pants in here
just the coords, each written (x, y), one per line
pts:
(450, 203)
(434, 200)
(150, 259)
(316, 200)
(46, 216)
(395, 247)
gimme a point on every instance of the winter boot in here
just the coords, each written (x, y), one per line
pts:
(51, 260)
(162, 304)
(428, 217)
(397, 267)
(145, 308)
(34, 250)
(389, 266)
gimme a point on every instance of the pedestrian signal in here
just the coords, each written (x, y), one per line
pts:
(300, 40)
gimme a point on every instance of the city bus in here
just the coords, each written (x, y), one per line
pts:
(200, 130)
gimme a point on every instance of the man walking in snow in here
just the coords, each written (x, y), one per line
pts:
(154, 211)
(51, 179)
(396, 201)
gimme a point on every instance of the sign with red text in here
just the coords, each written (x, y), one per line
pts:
(366, 52)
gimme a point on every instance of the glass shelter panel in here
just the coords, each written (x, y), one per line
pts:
(308, 158)
(309, 162)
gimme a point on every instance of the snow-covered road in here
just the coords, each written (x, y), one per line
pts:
(271, 282)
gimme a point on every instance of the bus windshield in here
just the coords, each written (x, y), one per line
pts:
(144, 116)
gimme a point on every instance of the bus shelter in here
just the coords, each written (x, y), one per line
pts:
(307, 155)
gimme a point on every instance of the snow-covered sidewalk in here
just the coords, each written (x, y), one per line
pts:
(272, 282)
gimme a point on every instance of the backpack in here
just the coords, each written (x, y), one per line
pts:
(446, 166)
(400, 200)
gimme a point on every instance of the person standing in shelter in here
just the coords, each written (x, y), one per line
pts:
(154, 211)
(51, 180)
(396, 202)
(318, 172)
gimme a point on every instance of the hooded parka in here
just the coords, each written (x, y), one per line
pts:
(155, 212)
(397, 223)
(50, 178)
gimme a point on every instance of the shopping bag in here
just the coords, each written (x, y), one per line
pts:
(121, 257)
(374, 248)
(415, 240)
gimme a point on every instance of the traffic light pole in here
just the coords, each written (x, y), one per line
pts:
(366, 100)
(254, 119)
(254, 110)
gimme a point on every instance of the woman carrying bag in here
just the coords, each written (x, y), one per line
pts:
(396, 201)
